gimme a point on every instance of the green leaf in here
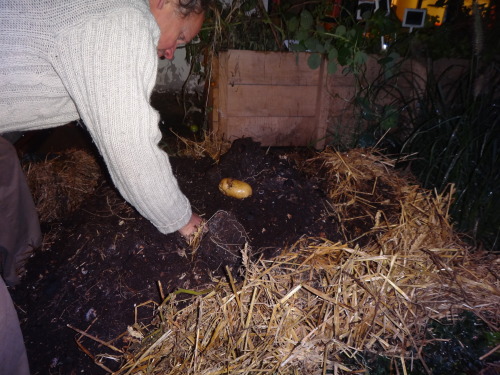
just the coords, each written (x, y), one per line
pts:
(293, 24)
(332, 54)
(360, 57)
(314, 61)
(306, 19)
(312, 44)
(343, 56)
(340, 30)
(301, 35)
(331, 67)
(320, 48)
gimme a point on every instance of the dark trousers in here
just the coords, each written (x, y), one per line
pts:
(19, 226)
(19, 234)
(13, 358)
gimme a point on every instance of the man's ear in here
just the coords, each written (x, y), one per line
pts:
(160, 3)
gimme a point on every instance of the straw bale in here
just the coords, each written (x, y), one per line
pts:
(60, 184)
(212, 145)
(320, 303)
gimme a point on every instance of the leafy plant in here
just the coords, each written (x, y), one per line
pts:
(241, 24)
(295, 26)
(345, 41)
(457, 139)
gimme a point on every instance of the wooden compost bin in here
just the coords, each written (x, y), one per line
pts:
(273, 97)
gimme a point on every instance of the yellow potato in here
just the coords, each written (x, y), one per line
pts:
(235, 188)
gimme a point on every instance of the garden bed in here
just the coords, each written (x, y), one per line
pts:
(346, 231)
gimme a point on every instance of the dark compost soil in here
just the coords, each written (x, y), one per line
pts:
(105, 258)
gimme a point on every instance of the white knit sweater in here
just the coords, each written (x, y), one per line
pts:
(61, 60)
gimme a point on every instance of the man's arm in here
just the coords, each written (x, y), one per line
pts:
(109, 67)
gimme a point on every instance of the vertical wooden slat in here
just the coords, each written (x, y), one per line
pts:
(322, 108)
(223, 86)
(213, 95)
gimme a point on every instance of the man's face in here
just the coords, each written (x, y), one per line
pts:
(175, 29)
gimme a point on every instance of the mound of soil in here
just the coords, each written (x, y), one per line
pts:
(105, 259)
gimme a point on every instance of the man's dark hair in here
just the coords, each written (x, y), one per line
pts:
(186, 7)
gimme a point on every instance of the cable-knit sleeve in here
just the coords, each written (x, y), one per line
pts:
(109, 67)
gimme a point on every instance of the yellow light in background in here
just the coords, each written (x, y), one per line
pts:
(433, 11)
(468, 3)
(401, 5)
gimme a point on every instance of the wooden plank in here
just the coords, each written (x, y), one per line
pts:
(252, 104)
(223, 87)
(273, 131)
(213, 116)
(265, 100)
(213, 96)
(322, 108)
(285, 68)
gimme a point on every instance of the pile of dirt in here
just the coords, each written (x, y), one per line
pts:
(104, 258)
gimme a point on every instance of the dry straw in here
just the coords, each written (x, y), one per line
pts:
(315, 307)
(60, 184)
(211, 145)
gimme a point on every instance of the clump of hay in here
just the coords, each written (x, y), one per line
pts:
(60, 184)
(212, 145)
(362, 186)
(320, 303)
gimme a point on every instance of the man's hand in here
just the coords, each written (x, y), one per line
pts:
(191, 227)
